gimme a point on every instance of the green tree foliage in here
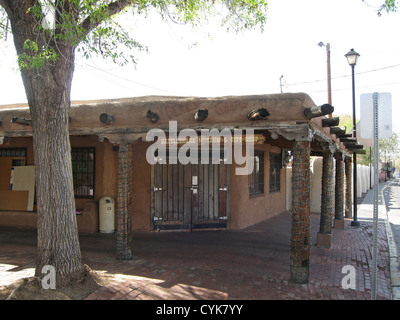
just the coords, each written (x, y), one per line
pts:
(390, 6)
(92, 26)
(389, 147)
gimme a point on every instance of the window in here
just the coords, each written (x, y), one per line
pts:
(18, 155)
(275, 165)
(256, 178)
(83, 172)
(13, 152)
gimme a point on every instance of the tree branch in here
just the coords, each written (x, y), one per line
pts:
(113, 8)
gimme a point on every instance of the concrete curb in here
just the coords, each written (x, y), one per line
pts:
(393, 257)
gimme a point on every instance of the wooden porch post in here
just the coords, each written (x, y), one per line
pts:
(327, 201)
(300, 233)
(348, 191)
(124, 202)
(339, 192)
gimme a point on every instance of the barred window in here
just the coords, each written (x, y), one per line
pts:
(256, 178)
(13, 152)
(18, 155)
(83, 164)
(275, 165)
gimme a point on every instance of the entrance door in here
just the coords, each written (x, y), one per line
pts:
(189, 197)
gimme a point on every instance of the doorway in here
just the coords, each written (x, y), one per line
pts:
(189, 197)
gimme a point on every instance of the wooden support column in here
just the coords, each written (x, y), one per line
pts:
(124, 202)
(339, 192)
(324, 237)
(300, 233)
(348, 188)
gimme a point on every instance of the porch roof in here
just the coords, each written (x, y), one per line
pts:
(130, 118)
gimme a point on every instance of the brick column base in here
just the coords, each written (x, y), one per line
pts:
(324, 239)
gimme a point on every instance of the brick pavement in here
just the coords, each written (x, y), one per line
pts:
(247, 264)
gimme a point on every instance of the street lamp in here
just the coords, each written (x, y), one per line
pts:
(352, 58)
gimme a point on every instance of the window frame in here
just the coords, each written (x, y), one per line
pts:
(87, 173)
(256, 179)
(13, 152)
(275, 166)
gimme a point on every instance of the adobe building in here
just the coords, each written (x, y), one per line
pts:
(127, 154)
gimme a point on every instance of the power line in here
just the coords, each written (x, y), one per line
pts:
(344, 76)
(118, 77)
(358, 87)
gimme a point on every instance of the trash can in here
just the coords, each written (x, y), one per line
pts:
(106, 215)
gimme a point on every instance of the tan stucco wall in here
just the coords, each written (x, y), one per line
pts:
(105, 184)
(243, 209)
(246, 210)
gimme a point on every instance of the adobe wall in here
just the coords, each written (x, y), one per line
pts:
(105, 184)
(246, 210)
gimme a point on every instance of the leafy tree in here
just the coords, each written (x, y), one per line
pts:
(389, 6)
(389, 147)
(47, 35)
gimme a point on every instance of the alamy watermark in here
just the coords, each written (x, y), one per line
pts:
(184, 146)
(349, 280)
(49, 280)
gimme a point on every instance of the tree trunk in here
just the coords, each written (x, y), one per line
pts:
(58, 243)
(48, 93)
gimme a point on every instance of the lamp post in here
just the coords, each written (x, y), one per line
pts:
(352, 58)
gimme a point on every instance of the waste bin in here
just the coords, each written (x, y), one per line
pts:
(106, 213)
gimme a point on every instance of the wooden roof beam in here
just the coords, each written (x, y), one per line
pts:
(318, 111)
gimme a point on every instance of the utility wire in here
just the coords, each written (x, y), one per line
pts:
(116, 76)
(344, 76)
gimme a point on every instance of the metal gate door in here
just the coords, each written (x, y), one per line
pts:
(189, 197)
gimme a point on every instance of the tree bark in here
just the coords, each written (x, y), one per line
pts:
(48, 93)
(339, 189)
(327, 194)
(349, 188)
(300, 232)
(58, 243)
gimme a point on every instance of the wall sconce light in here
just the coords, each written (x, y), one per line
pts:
(152, 116)
(106, 118)
(201, 114)
(258, 114)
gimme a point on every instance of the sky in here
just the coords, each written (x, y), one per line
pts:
(209, 61)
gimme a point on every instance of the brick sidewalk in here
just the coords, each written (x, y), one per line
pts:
(249, 264)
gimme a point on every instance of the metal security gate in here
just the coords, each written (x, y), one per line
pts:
(189, 197)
